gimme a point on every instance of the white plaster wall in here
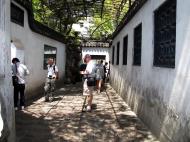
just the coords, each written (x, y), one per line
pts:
(160, 96)
(96, 51)
(7, 121)
(33, 44)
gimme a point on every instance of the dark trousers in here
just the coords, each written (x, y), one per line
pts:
(19, 89)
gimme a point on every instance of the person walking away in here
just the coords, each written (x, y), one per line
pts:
(52, 76)
(108, 72)
(105, 72)
(19, 71)
(99, 75)
(89, 82)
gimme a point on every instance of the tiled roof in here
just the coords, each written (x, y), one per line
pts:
(95, 44)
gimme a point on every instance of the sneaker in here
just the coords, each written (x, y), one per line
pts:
(88, 108)
(46, 99)
(16, 108)
(22, 107)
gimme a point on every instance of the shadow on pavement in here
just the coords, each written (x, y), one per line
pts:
(63, 121)
(30, 128)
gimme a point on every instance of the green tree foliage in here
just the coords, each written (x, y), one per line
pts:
(105, 23)
(41, 12)
(56, 15)
(60, 15)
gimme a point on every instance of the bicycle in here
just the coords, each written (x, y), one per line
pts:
(49, 89)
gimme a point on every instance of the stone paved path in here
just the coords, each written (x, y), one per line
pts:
(62, 120)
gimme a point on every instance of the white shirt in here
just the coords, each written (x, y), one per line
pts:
(91, 68)
(21, 72)
(52, 70)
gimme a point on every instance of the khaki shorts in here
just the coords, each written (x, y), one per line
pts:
(47, 84)
(87, 90)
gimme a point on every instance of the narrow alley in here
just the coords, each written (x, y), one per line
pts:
(138, 48)
(62, 120)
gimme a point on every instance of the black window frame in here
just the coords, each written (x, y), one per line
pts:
(118, 52)
(47, 56)
(137, 49)
(98, 57)
(113, 55)
(125, 49)
(165, 34)
(17, 15)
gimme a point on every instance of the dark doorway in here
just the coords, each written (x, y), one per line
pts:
(98, 57)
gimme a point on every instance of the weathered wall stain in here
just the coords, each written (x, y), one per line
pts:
(159, 95)
(148, 104)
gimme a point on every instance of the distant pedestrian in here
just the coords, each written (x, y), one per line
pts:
(99, 75)
(106, 70)
(52, 76)
(19, 71)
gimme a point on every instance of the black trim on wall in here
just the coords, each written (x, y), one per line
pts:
(17, 15)
(125, 49)
(137, 45)
(113, 54)
(165, 34)
(98, 57)
(118, 51)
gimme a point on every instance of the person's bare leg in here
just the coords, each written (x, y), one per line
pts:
(97, 84)
(90, 98)
(100, 84)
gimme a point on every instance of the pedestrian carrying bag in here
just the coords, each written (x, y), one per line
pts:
(91, 81)
(15, 80)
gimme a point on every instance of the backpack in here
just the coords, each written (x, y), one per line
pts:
(54, 68)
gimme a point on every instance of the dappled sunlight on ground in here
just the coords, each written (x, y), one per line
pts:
(62, 120)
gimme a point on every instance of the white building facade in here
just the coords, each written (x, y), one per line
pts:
(7, 121)
(33, 49)
(97, 50)
(33, 45)
(151, 64)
